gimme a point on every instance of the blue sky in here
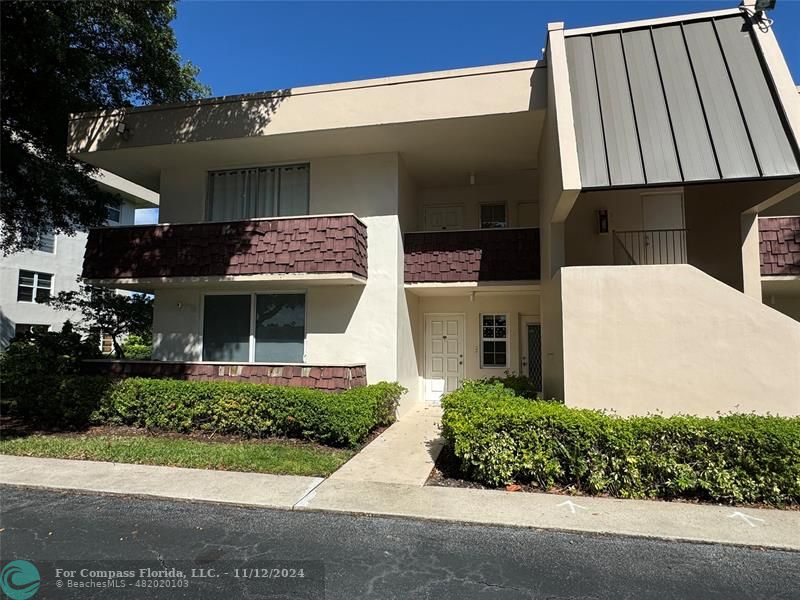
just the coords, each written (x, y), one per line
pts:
(251, 46)
(257, 46)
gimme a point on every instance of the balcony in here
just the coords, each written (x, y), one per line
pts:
(474, 256)
(326, 249)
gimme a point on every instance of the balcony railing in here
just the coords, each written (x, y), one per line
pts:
(472, 255)
(281, 246)
(650, 247)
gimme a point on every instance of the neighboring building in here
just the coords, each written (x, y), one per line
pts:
(27, 278)
(588, 219)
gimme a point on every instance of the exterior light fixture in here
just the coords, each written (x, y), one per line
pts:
(602, 221)
(762, 5)
(472, 177)
(123, 130)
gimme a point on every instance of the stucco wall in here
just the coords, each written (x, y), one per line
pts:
(514, 305)
(670, 338)
(511, 190)
(344, 324)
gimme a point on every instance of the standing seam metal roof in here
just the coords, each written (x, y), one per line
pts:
(680, 102)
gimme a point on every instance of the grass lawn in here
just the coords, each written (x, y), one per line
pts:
(269, 456)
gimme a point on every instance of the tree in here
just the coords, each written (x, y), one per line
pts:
(106, 311)
(65, 57)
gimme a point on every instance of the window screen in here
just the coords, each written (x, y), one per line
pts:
(258, 192)
(226, 328)
(494, 341)
(280, 327)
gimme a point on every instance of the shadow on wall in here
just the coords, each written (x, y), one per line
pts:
(538, 99)
(330, 309)
(7, 331)
(176, 346)
(201, 120)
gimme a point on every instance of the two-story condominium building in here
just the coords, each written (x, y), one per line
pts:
(29, 278)
(589, 219)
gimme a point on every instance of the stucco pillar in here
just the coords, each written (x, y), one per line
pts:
(751, 259)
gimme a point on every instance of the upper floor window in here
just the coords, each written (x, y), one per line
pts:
(113, 213)
(493, 216)
(34, 286)
(46, 243)
(258, 192)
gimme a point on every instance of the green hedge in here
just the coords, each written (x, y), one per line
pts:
(500, 438)
(253, 410)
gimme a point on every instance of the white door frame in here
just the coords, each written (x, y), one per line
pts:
(428, 395)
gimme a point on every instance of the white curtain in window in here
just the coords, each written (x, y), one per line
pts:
(254, 193)
(293, 192)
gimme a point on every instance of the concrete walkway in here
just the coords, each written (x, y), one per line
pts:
(404, 453)
(387, 478)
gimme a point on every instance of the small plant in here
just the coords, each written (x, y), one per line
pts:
(520, 384)
(136, 347)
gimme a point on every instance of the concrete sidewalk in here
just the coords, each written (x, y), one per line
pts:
(404, 453)
(387, 478)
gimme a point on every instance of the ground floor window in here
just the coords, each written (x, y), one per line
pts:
(23, 328)
(254, 327)
(494, 341)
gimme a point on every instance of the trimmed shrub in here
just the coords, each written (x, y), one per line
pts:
(252, 410)
(40, 380)
(136, 348)
(520, 384)
(501, 438)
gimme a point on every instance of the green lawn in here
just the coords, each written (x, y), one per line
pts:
(283, 458)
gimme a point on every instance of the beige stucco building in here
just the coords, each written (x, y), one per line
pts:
(588, 219)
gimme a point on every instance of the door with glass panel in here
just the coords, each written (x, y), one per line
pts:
(258, 192)
(531, 351)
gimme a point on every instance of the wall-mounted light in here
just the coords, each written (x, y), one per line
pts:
(123, 130)
(472, 177)
(602, 221)
(179, 305)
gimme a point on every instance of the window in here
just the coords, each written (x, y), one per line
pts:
(46, 243)
(113, 213)
(106, 344)
(254, 327)
(493, 216)
(33, 285)
(258, 192)
(494, 341)
(22, 328)
(280, 327)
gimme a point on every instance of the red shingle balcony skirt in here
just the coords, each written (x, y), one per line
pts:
(472, 255)
(332, 378)
(280, 246)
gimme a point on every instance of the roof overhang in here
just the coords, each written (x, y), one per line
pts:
(468, 288)
(692, 98)
(486, 117)
(232, 282)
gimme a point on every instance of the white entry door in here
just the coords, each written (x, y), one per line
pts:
(663, 223)
(444, 355)
(444, 217)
